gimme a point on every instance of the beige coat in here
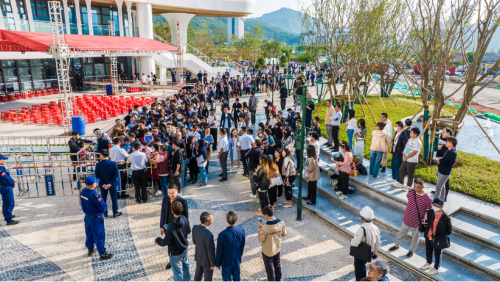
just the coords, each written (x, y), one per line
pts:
(380, 141)
(313, 169)
(270, 235)
(329, 112)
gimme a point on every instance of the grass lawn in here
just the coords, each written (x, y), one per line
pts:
(473, 175)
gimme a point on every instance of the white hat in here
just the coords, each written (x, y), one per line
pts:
(367, 213)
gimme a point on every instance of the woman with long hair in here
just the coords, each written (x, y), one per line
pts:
(262, 176)
(344, 169)
(202, 163)
(312, 168)
(350, 126)
(359, 145)
(276, 185)
(191, 156)
(233, 149)
(288, 174)
(260, 133)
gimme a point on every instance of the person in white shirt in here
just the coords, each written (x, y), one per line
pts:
(350, 126)
(138, 161)
(315, 142)
(410, 160)
(336, 118)
(388, 130)
(144, 79)
(245, 144)
(369, 234)
(119, 156)
(212, 122)
(223, 149)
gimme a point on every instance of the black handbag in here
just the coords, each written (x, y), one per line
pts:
(422, 225)
(363, 251)
(441, 243)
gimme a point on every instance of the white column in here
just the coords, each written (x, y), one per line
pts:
(78, 18)
(16, 15)
(2, 22)
(119, 4)
(30, 15)
(129, 17)
(145, 20)
(89, 16)
(172, 19)
(66, 16)
(163, 75)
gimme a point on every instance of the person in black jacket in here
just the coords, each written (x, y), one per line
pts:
(283, 96)
(438, 228)
(177, 242)
(252, 158)
(398, 145)
(74, 148)
(166, 216)
(445, 134)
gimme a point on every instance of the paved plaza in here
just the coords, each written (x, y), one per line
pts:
(49, 243)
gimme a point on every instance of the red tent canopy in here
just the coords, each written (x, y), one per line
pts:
(40, 42)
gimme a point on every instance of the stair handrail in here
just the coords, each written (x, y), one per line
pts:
(197, 53)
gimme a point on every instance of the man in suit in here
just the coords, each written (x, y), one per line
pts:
(226, 120)
(107, 171)
(166, 216)
(230, 245)
(204, 254)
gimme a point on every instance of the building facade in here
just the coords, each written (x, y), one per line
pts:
(34, 71)
(236, 27)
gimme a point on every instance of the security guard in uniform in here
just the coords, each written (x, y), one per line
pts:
(6, 185)
(94, 206)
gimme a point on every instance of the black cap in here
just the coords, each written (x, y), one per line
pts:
(438, 202)
(75, 132)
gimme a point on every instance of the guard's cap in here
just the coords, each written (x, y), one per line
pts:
(91, 180)
(165, 140)
(2, 157)
(75, 133)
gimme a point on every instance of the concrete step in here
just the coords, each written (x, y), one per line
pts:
(347, 219)
(468, 248)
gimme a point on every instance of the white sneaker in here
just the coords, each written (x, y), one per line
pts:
(406, 188)
(287, 206)
(391, 180)
(426, 266)
(343, 197)
(398, 185)
(253, 196)
(433, 271)
(338, 193)
(158, 193)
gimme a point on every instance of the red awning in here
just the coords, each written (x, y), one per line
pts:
(40, 42)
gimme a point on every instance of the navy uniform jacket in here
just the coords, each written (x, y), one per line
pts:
(229, 118)
(107, 172)
(5, 179)
(92, 203)
(230, 245)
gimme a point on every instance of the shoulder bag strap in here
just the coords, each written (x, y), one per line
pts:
(364, 232)
(418, 213)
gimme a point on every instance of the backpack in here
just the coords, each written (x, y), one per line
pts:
(361, 169)
(351, 189)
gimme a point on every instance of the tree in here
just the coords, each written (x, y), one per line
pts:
(162, 30)
(203, 39)
(271, 48)
(220, 37)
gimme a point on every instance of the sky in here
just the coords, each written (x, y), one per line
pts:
(267, 6)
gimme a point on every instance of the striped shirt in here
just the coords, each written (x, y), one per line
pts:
(424, 203)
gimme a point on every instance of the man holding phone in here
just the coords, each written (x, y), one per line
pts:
(166, 216)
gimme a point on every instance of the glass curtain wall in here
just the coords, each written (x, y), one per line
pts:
(23, 15)
(7, 14)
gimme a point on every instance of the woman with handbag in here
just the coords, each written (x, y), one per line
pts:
(419, 202)
(365, 244)
(262, 176)
(312, 169)
(288, 173)
(437, 232)
(344, 169)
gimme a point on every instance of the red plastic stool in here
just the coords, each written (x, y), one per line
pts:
(6, 116)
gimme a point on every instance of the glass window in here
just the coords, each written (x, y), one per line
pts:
(40, 10)
(23, 63)
(7, 14)
(38, 76)
(88, 71)
(99, 71)
(11, 79)
(25, 76)
(8, 63)
(84, 17)
(96, 16)
(77, 65)
(37, 63)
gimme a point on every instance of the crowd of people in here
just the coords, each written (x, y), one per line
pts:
(172, 143)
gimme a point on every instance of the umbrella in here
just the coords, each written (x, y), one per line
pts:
(188, 87)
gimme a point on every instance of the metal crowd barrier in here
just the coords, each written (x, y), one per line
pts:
(34, 181)
(36, 144)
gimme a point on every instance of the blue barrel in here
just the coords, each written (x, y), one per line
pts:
(109, 89)
(78, 124)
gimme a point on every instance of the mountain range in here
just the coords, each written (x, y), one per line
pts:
(282, 25)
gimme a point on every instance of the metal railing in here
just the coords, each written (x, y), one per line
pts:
(190, 50)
